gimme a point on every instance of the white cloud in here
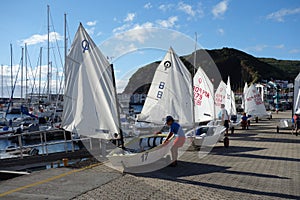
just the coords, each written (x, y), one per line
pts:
(280, 46)
(37, 38)
(186, 8)
(121, 28)
(148, 5)
(259, 47)
(294, 51)
(92, 23)
(130, 17)
(137, 33)
(165, 7)
(280, 14)
(219, 9)
(90, 31)
(169, 23)
(221, 31)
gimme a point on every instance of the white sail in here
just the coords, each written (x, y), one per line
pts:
(203, 97)
(233, 106)
(253, 103)
(220, 95)
(297, 94)
(170, 93)
(244, 93)
(90, 99)
(228, 98)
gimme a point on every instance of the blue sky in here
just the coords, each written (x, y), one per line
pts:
(261, 28)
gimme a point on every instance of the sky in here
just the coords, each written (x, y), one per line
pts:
(145, 29)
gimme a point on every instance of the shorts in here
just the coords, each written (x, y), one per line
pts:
(179, 141)
(226, 123)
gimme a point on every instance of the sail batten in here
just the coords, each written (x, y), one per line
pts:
(90, 101)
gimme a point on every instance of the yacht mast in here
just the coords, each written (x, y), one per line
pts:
(66, 43)
(40, 74)
(22, 63)
(48, 52)
(2, 81)
(26, 73)
(11, 68)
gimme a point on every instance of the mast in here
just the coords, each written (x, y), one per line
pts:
(48, 52)
(40, 74)
(11, 68)
(117, 104)
(22, 63)
(2, 81)
(65, 44)
(26, 72)
(193, 97)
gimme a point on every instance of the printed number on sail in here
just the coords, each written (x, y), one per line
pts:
(161, 86)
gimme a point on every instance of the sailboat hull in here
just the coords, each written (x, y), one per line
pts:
(140, 152)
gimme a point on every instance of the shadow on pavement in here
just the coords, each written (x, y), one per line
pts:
(185, 169)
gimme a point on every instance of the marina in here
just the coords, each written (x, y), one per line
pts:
(133, 107)
(261, 164)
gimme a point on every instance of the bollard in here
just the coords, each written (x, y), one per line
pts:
(65, 162)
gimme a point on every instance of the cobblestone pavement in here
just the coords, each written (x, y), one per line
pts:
(259, 164)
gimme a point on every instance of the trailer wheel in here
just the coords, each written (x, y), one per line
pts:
(226, 142)
(277, 129)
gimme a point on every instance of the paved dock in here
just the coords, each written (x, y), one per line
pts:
(259, 164)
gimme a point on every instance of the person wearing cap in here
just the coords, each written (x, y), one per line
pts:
(225, 117)
(176, 130)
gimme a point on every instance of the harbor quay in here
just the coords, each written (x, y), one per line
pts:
(259, 164)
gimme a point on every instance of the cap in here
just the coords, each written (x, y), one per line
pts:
(169, 118)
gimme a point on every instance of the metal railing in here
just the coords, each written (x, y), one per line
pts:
(44, 143)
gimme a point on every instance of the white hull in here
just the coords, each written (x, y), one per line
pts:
(126, 159)
(211, 136)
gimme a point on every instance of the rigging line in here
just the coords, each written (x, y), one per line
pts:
(56, 41)
(69, 37)
(32, 74)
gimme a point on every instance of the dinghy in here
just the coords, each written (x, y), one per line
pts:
(170, 94)
(254, 106)
(210, 134)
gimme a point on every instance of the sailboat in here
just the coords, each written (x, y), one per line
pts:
(170, 94)
(254, 106)
(231, 107)
(220, 96)
(90, 107)
(244, 93)
(210, 134)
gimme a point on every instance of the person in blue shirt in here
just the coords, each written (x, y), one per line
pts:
(244, 122)
(176, 130)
